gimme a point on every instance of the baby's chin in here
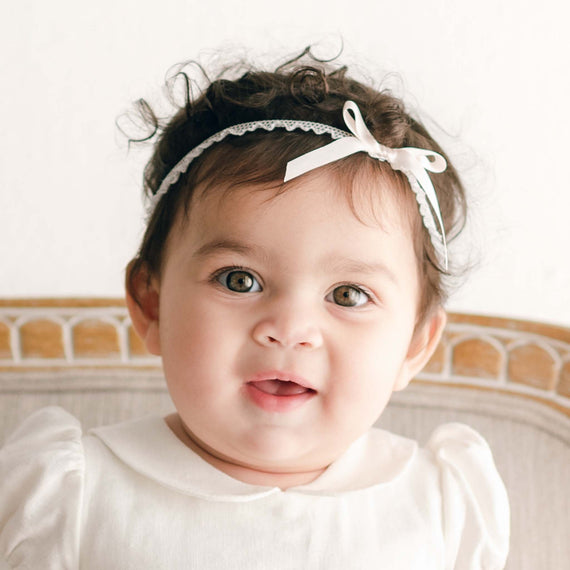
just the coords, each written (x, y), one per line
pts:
(262, 464)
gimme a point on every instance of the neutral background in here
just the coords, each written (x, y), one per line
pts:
(491, 79)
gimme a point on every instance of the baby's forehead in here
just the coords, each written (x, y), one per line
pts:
(374, 196)
(260, 221)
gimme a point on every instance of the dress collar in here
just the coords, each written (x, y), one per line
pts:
(149, 447)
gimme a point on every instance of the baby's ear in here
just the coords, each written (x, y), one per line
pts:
(423, 345)
(142, 301)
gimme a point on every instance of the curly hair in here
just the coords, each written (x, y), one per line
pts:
(299, 90)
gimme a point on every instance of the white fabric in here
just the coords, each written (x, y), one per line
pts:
(133, 496)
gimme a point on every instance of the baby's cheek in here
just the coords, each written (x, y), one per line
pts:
(370, 378)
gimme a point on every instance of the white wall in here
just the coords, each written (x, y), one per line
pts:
(494, 74)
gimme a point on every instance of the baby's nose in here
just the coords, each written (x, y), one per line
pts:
(288, 326)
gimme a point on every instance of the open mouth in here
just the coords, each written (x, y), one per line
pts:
(278, 387)
(276, 395)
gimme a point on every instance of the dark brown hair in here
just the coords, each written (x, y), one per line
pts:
(303, 89)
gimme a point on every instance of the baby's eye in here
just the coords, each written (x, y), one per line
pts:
(239, 281)
(348, 296)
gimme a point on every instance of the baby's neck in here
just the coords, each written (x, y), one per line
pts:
(242, 473)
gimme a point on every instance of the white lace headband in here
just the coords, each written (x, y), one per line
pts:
(413, 162)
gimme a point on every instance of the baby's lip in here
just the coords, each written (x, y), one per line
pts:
(292, 382)
(276, 391)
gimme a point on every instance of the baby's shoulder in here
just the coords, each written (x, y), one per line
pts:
(456, 436)
(49, 440)
(41, 478)
(459, 448)
(474, 501)
(464, 463)
(45, 425)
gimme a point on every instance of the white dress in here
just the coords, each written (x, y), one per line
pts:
(132, 496)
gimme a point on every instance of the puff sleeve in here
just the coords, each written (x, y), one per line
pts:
(476, 516)
(41, 480)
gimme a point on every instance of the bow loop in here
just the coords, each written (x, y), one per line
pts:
(427, 159)
(356, 125)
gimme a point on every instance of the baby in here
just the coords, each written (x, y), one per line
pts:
(291, 279)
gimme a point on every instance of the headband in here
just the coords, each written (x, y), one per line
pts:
(413, 162)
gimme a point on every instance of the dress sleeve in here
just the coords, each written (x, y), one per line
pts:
(41, 481)
(476, 517)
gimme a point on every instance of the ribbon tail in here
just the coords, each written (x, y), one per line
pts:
(424, 181)
(324, 155)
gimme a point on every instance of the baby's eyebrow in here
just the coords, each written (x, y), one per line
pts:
(348, 265)
(224, 245)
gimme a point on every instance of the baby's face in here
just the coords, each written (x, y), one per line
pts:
(285, 323)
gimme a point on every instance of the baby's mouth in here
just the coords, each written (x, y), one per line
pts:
(277, 387)
(277, 391)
